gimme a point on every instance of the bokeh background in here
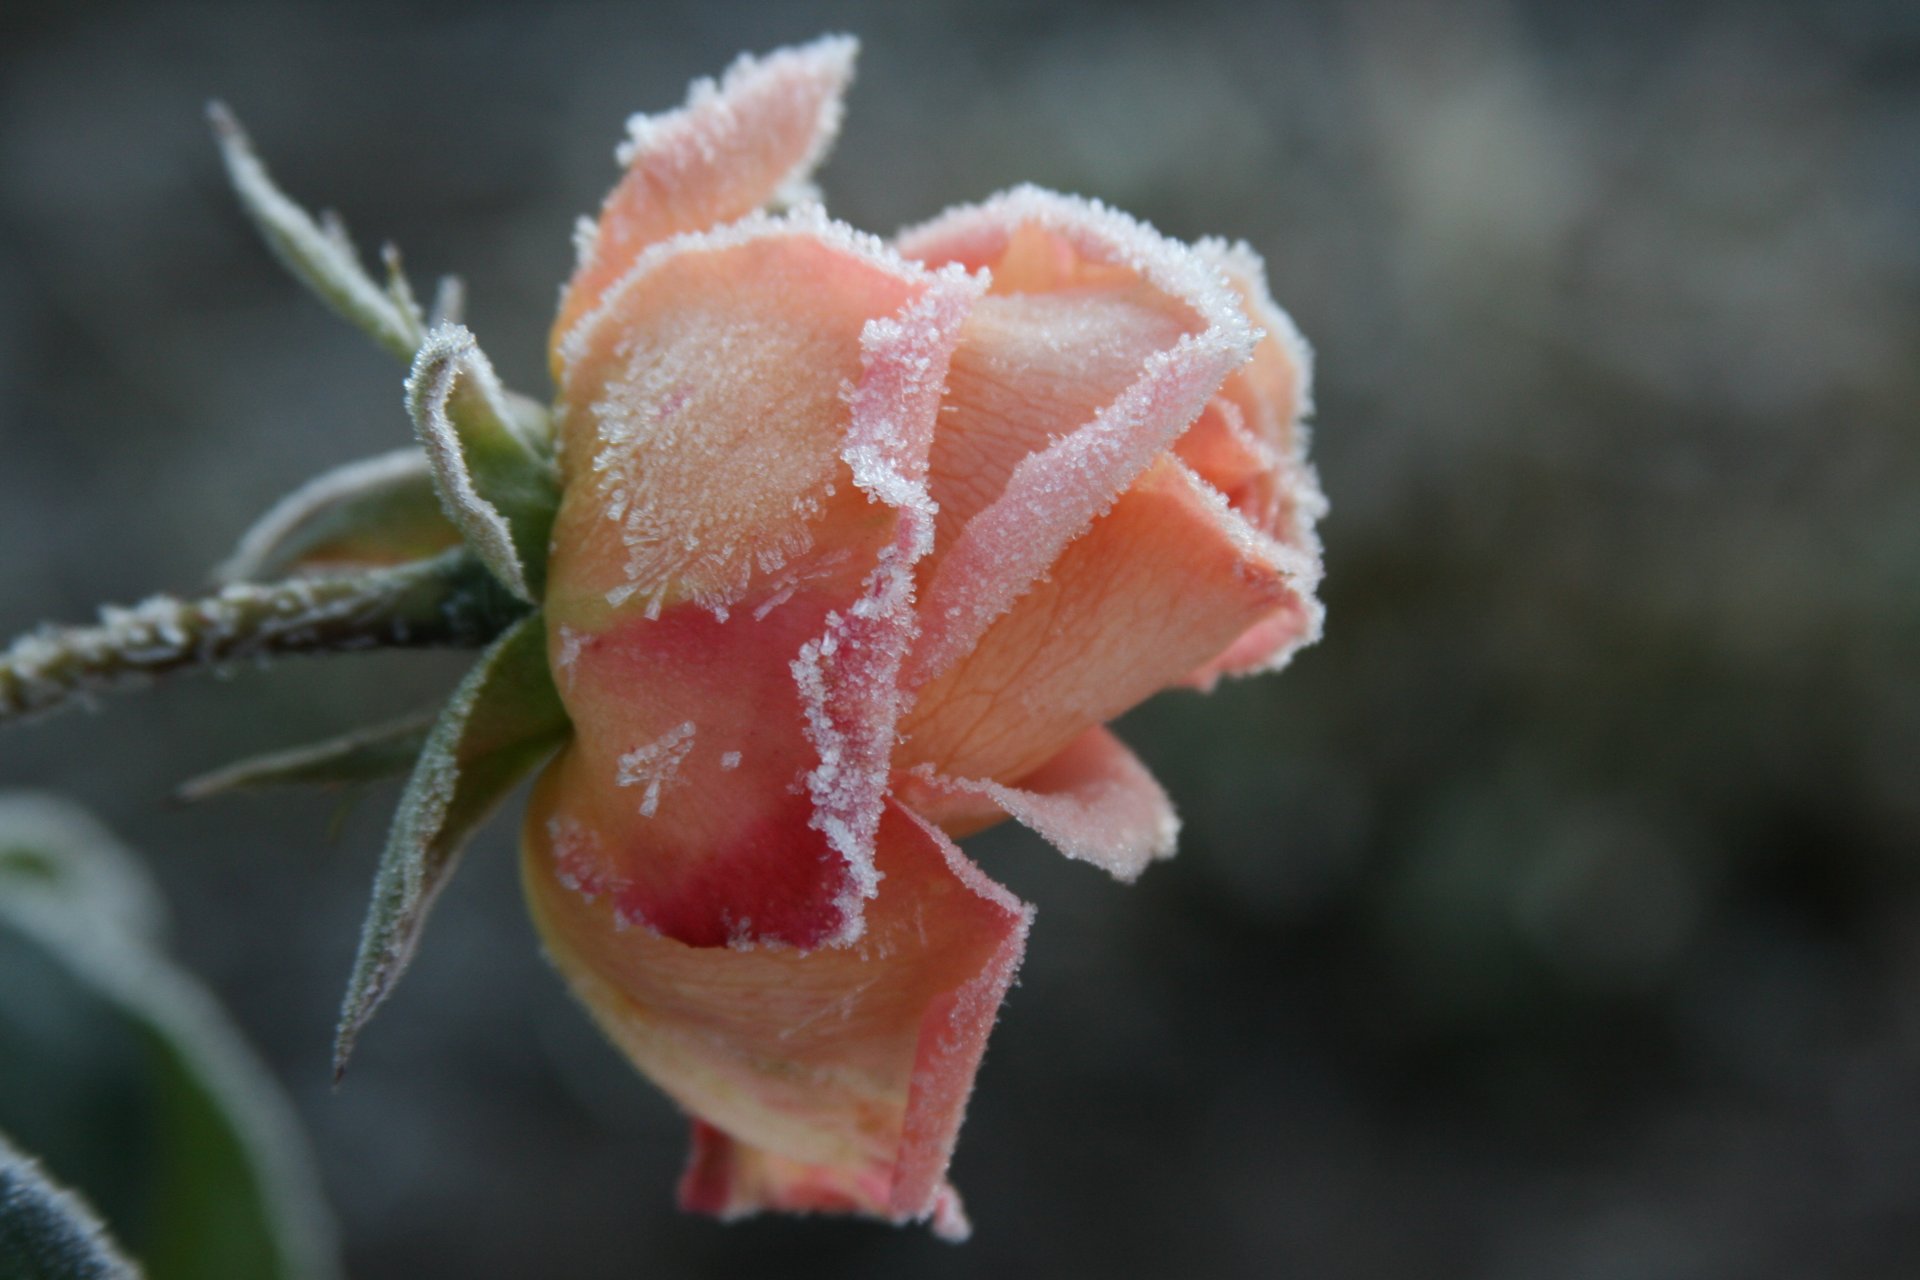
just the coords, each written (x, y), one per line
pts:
(1557, 916)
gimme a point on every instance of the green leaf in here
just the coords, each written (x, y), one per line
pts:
(49, 1233)
(490, 466)
(319, 253)
(365, 755)
(368, 514)
(500, 724)
(204, 1168)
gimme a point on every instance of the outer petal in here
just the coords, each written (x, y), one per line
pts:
(1039, 242)
(1162, 583)
(834, 1080)
(1252, 445)
(1095, 802)
(732, 148)
(730, 590)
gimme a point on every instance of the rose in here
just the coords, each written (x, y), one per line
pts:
(859, 545)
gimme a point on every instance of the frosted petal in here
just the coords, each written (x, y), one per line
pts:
(702, 417)
(849, 676)
(731, 149)
(1094, 802)
(1272, 396)
(1036, 241)
(745, 427)
(1161, 584)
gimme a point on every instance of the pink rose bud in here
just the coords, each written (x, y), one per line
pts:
(860, 544)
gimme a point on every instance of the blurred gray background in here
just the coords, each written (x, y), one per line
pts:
(1558, 916)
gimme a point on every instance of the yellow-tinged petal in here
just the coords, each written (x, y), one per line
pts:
(835, 1079)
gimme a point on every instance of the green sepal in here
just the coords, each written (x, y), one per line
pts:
(491, 469)
(49, 1233)
(365, 755)
(373, 513)
(223, 1182)
(502, 722)
(318, 251)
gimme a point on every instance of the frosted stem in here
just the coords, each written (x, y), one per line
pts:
(447, 602)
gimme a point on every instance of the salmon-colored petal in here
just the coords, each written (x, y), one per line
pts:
(701, 416)
(1272, 396)
(1081, 299)
(1036, 239)
(1161, 584)
(730, 593)
(833, 1080)
(1221, 450)
(1094, 802)
(1275, 388)
(731, 149)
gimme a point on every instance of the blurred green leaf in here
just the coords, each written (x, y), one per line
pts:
(500, 724)
(108, 1044)
(49, 1233)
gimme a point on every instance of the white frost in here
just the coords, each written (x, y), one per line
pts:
(656, 765)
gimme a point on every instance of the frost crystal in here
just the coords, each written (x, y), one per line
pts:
(656, 765)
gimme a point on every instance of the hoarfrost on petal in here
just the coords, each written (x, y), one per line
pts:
(1094, 802)
(848, 676)
(656, 765)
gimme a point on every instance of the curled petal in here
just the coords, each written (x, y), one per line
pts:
(1031, 366)
(1254, 450)
(730, 150)
(1222, 450)
(1038, 242)
(1163, 582)
(1094, 802)
(834, 1080)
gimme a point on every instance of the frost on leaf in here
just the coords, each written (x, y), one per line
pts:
(318, 252)
(502, 721)
(494, 482)
(362, 756)
(375, 512)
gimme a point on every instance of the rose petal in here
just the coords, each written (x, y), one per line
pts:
(701, 417)
(1081, 297)
(1273, 395)
(1159, 585)
(832, 1080)
(732, 148)
(1274, 390)
(1221, 450)
(730, 590)
(1032, 366)
(1094, 802)
(849, 676)
(1039, 240)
